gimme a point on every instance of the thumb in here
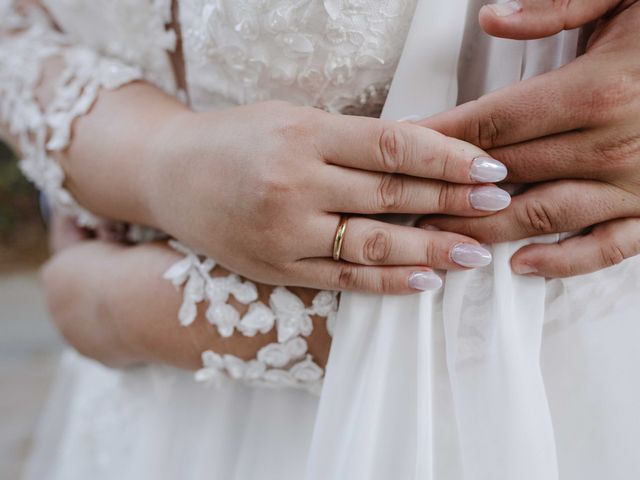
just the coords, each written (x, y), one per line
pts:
(528, 19)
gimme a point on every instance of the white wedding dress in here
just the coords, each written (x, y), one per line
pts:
(494, 377)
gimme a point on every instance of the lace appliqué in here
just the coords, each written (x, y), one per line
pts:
(43, 131)
(318, 53)
(133, 31)
(285, 363)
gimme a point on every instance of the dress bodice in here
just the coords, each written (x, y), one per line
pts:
(336, 54)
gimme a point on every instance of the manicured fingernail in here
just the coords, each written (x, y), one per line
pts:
(506, 9)
(471, 256)
(488, 170)
(424, 281)
(524, 269)
(489, 199)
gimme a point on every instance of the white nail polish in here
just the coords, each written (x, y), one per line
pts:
(471, 256)
(506, 9)
(425, 281)
(488, 170)
(489, 199)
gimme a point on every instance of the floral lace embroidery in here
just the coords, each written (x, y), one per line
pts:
(40, 132)
(320, 53)
(285, 363)
(133, 31)
(337, 54)
(267, 370)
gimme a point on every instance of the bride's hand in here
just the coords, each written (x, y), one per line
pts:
(261, 189)
(576, 129)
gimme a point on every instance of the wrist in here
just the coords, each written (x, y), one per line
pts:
(163, 170)
(112, 149)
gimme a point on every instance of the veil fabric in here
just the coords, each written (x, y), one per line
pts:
(475, 381)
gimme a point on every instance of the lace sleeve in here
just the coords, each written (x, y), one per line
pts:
(285, 363)
(27, 41)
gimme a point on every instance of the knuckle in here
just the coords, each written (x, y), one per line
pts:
(387, 284)
(433, 254)
(392, 149)
(347, 277)
(488, 131)
(377, 247)
(271, 192)
(483, 129)
(293, 125)
(447, 196)
(391, 193)
(620, 155)
(613, 253)
(274, 185)
(614, 91)
(537, 217)
(447, 165)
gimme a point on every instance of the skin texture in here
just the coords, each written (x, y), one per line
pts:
(123, 327)
(262, 200)
(573, 135)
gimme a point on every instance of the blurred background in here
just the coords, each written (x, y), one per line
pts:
(29, 346)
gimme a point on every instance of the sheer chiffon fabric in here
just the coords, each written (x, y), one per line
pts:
(157, 423)
(495, 377)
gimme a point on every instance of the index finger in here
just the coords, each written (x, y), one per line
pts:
(559, 101)
(553, 207)
(398, 147)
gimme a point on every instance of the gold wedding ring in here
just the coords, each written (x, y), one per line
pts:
(339, 238)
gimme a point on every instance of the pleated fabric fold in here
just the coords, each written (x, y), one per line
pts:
(447, 384)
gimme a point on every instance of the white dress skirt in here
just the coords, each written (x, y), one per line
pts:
(494, 377)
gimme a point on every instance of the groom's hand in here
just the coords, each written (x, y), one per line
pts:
(576, 129)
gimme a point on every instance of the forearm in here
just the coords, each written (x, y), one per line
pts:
(121, 312)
